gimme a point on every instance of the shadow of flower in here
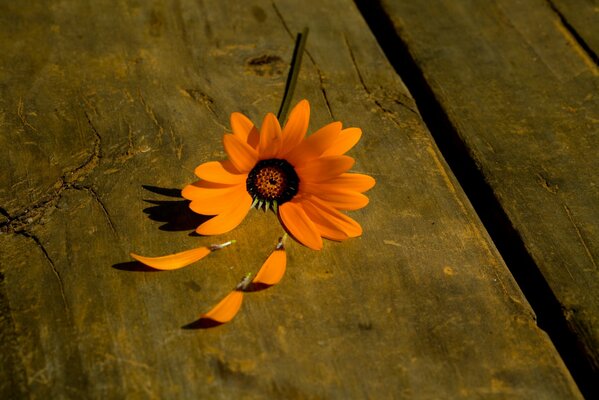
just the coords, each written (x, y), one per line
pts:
(176, 214)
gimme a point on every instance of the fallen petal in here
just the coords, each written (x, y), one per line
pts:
(273, 268)
(173, 261)
(226, 309)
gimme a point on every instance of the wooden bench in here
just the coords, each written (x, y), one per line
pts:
(106, 109)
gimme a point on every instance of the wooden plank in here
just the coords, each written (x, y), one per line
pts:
(99, 98)
(581, 18)
(522, 96)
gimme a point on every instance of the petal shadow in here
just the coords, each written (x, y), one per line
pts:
(133, 266)
(169, 192)
(202, 323)
(256, 287)
(176, 214)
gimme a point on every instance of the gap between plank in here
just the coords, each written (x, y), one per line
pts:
(550, 316)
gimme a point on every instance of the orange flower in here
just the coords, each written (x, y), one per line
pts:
(303, 179)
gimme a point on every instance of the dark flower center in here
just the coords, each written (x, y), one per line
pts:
(272, 181)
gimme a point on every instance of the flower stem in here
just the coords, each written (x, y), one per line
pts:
(296, 61)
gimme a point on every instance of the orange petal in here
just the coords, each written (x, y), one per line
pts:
(206, 191)
(331, 223)
(324, 168)
(294, 218)
(297, 125)
(244, 129)
(226, 309)
(273, 268)
(227, 220)
(220, 202)
(349, 181)
(346, 140)
(344, 199)
(242, 155)
(220, 172)
(173, 261)
(270, 137)
(313, 146)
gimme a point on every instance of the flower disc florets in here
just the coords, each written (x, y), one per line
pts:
(272, 181)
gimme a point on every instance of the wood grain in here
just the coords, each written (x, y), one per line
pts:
(100, 98)
(521, 93)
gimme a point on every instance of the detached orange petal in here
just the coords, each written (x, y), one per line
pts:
(226, 309)
(345, 141)
(273, 268)
(294, 218)
(270, 137)
(244, 129)
(297, 125)
(220, 172)
(241, 154)
(227, 220)
(173, 261)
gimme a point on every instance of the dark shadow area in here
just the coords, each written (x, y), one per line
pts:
(133, 266)
(202, 323)
(175, 214)
(256, 287)
(169, 192)
(531, 281)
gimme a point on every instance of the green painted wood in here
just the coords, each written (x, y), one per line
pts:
(522, 95)
(99, 98)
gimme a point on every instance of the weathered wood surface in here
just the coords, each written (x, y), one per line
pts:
(581, 17)
(523, 96)
(98, 98)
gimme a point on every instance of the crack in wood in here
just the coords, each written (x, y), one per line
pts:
(390, 114)
(33, 213)
(580, 237)
(575, 38)
(39, 244)
(92, 193)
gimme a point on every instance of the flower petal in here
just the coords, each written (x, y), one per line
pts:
(227, 220)
(242, 155)
(350, 181)
(273, 268)
(346, 140)
(226, 309)
(219, 172)
(331, 223)
(324, 168)
(244, 129)
(314, 145)
(344, 199)
(173, 261)
(296, 221)
(297, 125)
(270, 137)
(219, 202)
(206, 191)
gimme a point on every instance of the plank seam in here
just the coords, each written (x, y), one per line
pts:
(578, 39)
(551, 318)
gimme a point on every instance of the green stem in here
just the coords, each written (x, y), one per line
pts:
(296, 61)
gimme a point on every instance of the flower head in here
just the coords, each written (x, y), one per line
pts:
(303, 179)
